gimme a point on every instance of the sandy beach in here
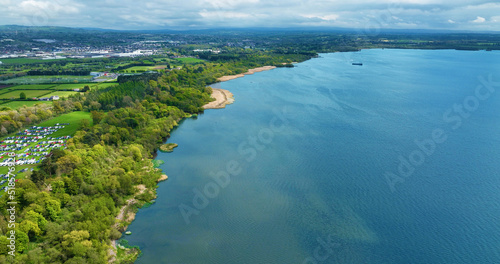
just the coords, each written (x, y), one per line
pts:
(222, 98)
(251, 71)
(163, 177)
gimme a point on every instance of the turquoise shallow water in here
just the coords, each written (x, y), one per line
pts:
(308, 150)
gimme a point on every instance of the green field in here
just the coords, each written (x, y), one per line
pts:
(42, 90)
(60, 93)
(156, 60)
(29, 87)
(146, 68)
(71, 86)
(189, 60)
(74, 119)
(49, 79)
(97, 86)
(104, 79)
(29, 93)
(67, 86)
(19, 104)
(103, 85)
(24, 61)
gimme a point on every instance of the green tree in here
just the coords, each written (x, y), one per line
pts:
(38, 177)
(22, 96)
(78, 106)
(97, 116)
(4, 242)
(53, 208)
(37, 218)
(22, 241)
(76, 242)
(57, 107)
(136, 153)
(30, 228)
(86, 88)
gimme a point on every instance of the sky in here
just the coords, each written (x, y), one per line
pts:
(370, 15)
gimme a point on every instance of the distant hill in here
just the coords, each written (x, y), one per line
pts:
(55, 29)
(44, 29)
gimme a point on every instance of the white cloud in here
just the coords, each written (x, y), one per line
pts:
(159, 14)
(32, 6)
(38, 12)
(330, 17)
(224, 15)
(224, 4)
(479, 20)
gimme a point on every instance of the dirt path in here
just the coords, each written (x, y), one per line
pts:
(120, 217)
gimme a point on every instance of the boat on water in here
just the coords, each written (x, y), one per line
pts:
(128, 233)
(357, 63)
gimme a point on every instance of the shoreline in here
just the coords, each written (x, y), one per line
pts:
(124, 215)
(222, 98)
(129, 217)
(250, 71)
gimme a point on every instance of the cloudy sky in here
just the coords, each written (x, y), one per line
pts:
(475, 15)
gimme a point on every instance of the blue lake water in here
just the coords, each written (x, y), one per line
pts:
(308, 151)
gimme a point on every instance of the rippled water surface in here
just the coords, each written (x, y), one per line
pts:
(308, 151)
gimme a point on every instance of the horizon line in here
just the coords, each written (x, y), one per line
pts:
(311, 28)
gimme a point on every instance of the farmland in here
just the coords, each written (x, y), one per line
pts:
(48, 79)
(10, 95)
(60, 93)
(29, 94)
(71, 86)
(19, 104)
(145, 68)
(28, 87)
(189, 60)
(24, 61)
(102, 85)
(162, 64)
